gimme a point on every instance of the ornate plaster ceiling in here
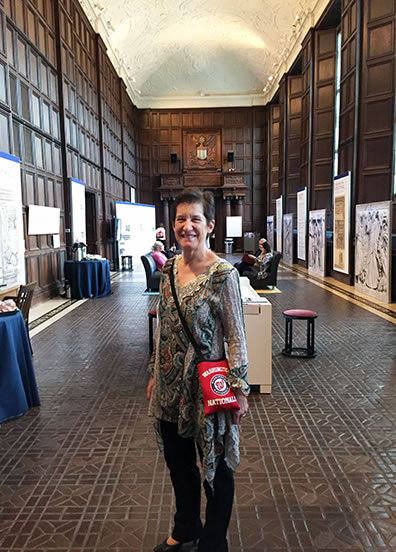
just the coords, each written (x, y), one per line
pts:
(202, 53)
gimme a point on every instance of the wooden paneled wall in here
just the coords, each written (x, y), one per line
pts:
(377, 102)
(293, 145)
(290, 90)
(283, 101)
(350, 70)
(65, 113)
(308, 47)
(367, 103)
(323, 119)
(243, 131)
(273, 158)
(259, 170)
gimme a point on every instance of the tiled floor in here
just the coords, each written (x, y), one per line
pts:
(318, 471)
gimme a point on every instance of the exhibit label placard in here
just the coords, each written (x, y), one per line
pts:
(301, 224)
(279, 223)
(317, 242)
(288, 238)
(43, 220)
(234, 227)
(79, 232)
(12, 247)
(270, 230)
(137, 228)
(341, 213)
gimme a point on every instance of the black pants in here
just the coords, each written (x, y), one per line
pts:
(181, 459)
(242, 266)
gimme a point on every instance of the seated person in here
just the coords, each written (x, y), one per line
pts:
(261, 264)
(264, 249)
(159, 255)
(169, 253)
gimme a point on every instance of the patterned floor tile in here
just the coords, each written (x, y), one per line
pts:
(318, 455)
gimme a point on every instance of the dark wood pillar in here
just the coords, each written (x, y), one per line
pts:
(227, 207)
(165, 218)
(239, 206)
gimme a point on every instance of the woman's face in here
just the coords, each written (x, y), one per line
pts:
(191, 226)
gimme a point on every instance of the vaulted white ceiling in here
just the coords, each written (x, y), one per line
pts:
(202, 53)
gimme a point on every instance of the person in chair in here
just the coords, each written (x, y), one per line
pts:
(159, 255)
(252, 263)
(260, 268)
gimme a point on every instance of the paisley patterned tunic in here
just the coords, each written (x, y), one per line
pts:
(213, 310)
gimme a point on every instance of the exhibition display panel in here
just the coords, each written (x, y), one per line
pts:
(258, 323)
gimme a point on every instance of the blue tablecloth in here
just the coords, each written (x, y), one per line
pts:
(18, 388)
(88, 278)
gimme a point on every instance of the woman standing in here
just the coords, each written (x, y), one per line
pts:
(208, 291)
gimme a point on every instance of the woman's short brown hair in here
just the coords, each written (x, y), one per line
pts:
(194, 195)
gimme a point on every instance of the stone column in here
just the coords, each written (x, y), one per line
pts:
(239, 206)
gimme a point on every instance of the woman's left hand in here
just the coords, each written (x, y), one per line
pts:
(242, 399)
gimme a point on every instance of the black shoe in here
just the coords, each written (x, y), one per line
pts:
(182, 546)
(165, 547)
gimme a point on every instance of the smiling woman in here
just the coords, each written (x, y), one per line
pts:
(206, 290)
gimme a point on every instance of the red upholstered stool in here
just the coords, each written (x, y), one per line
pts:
(151, 315)
(300, 314)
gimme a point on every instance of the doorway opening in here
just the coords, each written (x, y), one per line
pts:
(90, 222)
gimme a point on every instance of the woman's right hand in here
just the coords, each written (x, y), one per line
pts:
(149, 388)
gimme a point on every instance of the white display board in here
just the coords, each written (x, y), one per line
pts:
(279, 224)
(288, 238)
(373, 249)
(233, 227)
(301, 224)
(79, 232)
(341, 226)
(12, 247)
(270, 230)
(43, 220)
(56, 241)
(317, 242)
(137, 228)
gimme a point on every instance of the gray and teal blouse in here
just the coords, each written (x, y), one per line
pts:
(212, 306)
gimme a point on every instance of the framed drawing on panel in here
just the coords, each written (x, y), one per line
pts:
(301, 223)
(270, 231)
(373, 250)
(317, 242)
(288, 238)
(341, 210)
